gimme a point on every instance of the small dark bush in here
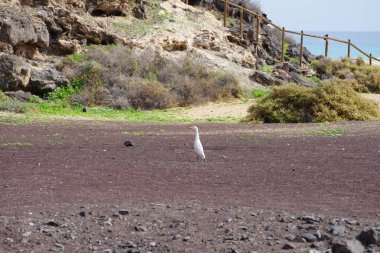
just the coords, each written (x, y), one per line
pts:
(329, 101)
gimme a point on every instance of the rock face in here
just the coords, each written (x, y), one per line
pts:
(28, 35)
(265, 79)
(108, 8)
(21, 34)
(17, 73)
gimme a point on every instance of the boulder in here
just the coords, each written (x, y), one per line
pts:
(139, 12)
(107, 8)
(298, 79)
(19, 95)
(347, 246)
(265, 79)
(45, 79)
(15, 72)
(368, 237)
(23, 33)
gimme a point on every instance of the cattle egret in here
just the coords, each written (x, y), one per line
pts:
(198, 145)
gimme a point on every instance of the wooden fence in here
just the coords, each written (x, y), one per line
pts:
(283, 31)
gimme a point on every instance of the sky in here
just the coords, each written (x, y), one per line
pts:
(324, 15)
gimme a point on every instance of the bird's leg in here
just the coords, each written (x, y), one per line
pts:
(197, 158)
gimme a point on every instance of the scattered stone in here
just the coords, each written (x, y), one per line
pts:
(347, 246)
(288, 246)
(337, 230)
(140, 228)
(368, 237)
(290, 238)
(82, 213)
(52, 223)
(352, 222)
(265, 79)
(128, 244)
(128, 144)
(58, 245)
(26, 234)
(244, 237)
(124, 211)
(311, 219)
(309, 237)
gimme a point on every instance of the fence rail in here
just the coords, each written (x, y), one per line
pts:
(284, 32)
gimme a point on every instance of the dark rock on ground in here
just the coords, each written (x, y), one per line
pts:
(128, 144)
(265, 79)
(368, 237)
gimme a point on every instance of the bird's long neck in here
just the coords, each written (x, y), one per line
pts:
(196, 134)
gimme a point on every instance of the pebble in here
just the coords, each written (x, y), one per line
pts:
(337, 230)
(288, 246)
(123, 212)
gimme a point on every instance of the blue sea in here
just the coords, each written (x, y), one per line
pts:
(369, 42)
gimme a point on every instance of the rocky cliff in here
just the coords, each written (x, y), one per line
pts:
(35, 35)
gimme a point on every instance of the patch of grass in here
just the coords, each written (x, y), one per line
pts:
(12, 105)
(328, 101)
(266, 68)
(76, 57)
(17, 144)
(333, 132)
(157, 17)
(231, 21)
(260, 92)
(314, 79)
(135, 133)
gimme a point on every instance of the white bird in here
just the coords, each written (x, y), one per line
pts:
(198, 148)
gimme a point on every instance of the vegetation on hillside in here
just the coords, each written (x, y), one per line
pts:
(328, 101)
(116, 77)
(362, 77)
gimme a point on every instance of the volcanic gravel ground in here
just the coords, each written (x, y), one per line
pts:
(256, 181)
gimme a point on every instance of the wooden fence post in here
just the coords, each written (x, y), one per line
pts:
(327, 45)
(257, 28)
(349, 49)
(370, 59)
(283, 45)
(225, 13)
(301, 49)
(241, 22)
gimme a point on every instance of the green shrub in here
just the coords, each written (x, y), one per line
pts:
(329, 101)
(13, 105)
(367, 77)
(109, 77)
(324, 66)
(260, 92)
(360, 61)
(266, 68)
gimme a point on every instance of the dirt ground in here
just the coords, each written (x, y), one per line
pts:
(56, 169)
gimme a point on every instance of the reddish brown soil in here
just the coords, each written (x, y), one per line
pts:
(277, 167)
